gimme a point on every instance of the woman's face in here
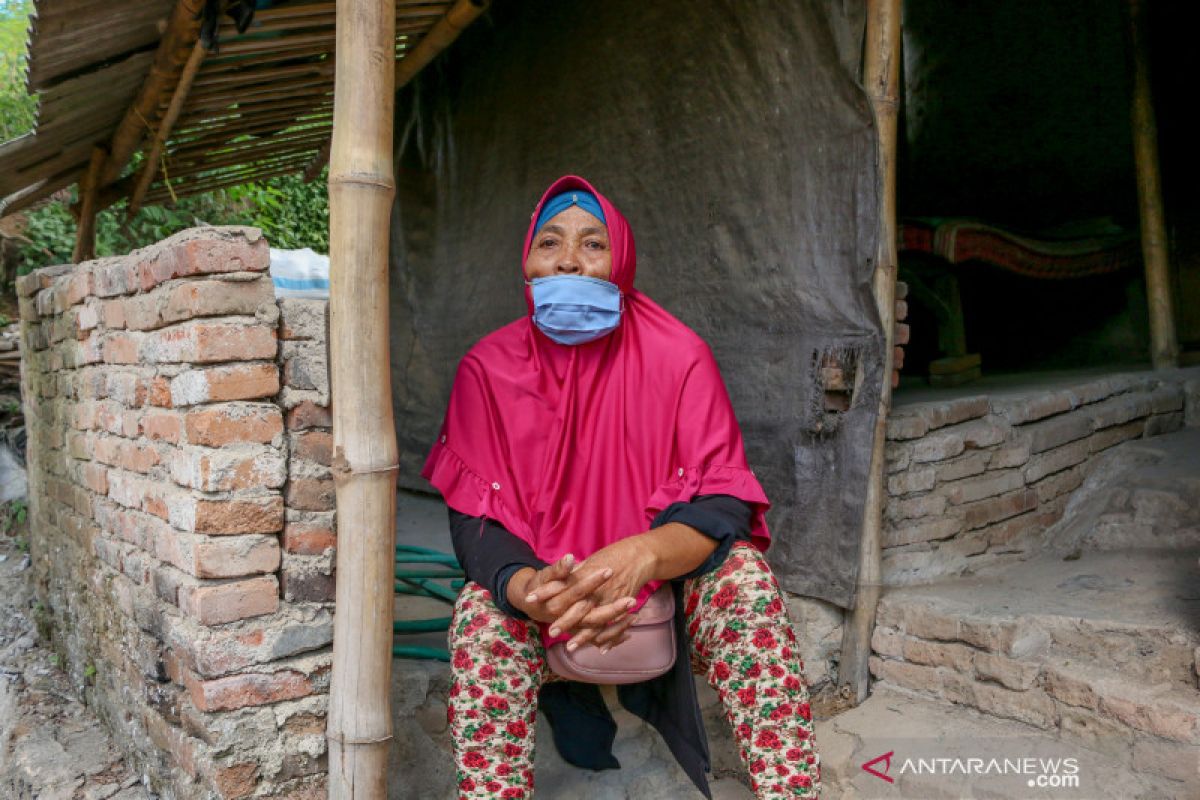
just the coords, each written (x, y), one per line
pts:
(573, 242)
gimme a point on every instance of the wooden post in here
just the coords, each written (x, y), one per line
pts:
(1164, 345)
(881, 78)
(361, 190)
(85, 233)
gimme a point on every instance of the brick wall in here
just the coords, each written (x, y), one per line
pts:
(970, 480)
(182, 508)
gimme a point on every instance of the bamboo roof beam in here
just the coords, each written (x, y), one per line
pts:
(174, 49)
(439, 37)
(150, 165)
(161, 194)
(85, 232)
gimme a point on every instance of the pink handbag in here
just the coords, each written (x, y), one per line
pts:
(648, 653)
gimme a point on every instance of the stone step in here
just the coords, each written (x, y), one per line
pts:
(931, 742)
(1099, 651)
(1097, 708)
(1131, 611)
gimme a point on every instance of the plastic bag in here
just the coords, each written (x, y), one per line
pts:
(300, 273)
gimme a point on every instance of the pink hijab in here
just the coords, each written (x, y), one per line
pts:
(573, 447)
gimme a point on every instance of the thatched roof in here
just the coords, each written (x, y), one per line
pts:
(105, 73)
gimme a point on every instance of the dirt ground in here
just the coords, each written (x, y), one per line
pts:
(52, 747)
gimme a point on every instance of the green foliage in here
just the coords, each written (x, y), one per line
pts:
(290, 212)
(17, 108)
(12, 516)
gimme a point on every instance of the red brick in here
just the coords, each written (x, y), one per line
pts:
(200, 251)
(162, 426)
(137, 458)
(113, 313)
(108, 417)
(89, 350)
(228, 470)
(205, 342)
(79, 444)
(247, 689)
(219, 426)
(243, 382)
(142, 312)
(84, 416)
(314, 446)
(221, 517)
(234, 382)
(236, 556)
(235, 781)
(120, 348)
(73, 290)
(127, 388)
(311, 494)
(86, 319)
(157, 503)
(307, 587)
(317, 790)
(95, 478)
(304, 723)
(309, 415)
(131, 423)
(169, 739)
(160, 392)
(308, 539)
(219, 603)
(994, 509)
(208, 298)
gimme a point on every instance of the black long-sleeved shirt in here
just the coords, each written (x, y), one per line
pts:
(490, 554)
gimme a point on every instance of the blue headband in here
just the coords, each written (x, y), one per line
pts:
(572, 197)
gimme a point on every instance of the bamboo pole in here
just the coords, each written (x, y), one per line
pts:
(361, 190)
(881, 77)
(1164, 345)
(440, 36)
(150, 166)
(85, 233)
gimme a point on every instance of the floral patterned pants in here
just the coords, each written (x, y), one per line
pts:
(741, 641)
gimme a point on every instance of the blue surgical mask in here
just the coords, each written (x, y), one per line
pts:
(573, 309)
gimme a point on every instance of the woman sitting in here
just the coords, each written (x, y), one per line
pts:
(590, 455)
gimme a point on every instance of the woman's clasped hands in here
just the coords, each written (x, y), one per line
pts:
(590, 599)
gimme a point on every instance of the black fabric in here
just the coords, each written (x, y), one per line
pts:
(489, 555)
(583, 729)
(750, 183)
(718, 516)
